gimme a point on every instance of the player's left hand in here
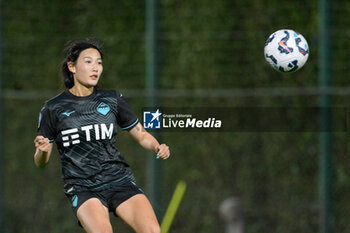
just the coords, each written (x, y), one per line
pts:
(163, 151)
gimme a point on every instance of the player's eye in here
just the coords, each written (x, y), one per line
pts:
(87, 61)
(100, 63)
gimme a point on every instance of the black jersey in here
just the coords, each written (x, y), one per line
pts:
(84, 129)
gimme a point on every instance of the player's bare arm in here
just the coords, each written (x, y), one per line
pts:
(147, 141)
(43, 151)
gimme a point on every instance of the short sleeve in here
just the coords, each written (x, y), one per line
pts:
(126, 117)
(45, 126)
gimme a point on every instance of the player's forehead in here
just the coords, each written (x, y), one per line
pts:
(90, 53)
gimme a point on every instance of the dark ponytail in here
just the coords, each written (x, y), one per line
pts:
(73, 50)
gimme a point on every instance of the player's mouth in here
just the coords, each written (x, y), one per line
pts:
(94, 76)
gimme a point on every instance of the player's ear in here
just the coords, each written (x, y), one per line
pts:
(71, 66)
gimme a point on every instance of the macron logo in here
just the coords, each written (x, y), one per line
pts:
(99, 131)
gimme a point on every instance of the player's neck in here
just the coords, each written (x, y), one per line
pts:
(79, 90)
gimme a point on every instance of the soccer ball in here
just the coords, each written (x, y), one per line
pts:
(286, 50)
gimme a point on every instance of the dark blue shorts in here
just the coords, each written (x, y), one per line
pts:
(111, 198)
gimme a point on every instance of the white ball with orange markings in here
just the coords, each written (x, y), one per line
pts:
(286, 50)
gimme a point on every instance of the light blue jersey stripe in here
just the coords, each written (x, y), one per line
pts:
(133, 124)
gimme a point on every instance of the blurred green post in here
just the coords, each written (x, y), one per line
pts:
(151, 85)
(2, 150)
(326, 137)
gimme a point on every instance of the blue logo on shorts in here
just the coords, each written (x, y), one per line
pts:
(75, 201)
(151, 119)
(103, 108)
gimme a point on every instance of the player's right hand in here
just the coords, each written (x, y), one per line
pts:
(42, 144)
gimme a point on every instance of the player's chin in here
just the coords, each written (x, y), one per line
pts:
(92, 83)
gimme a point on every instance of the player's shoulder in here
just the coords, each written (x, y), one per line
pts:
(109, 92)
(56, 99)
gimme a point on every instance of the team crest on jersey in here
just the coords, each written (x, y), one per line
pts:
(40, 117)
(103, 108)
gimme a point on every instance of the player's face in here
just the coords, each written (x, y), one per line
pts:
(88, 68)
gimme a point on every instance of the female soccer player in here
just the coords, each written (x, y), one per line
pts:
(82, 121)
